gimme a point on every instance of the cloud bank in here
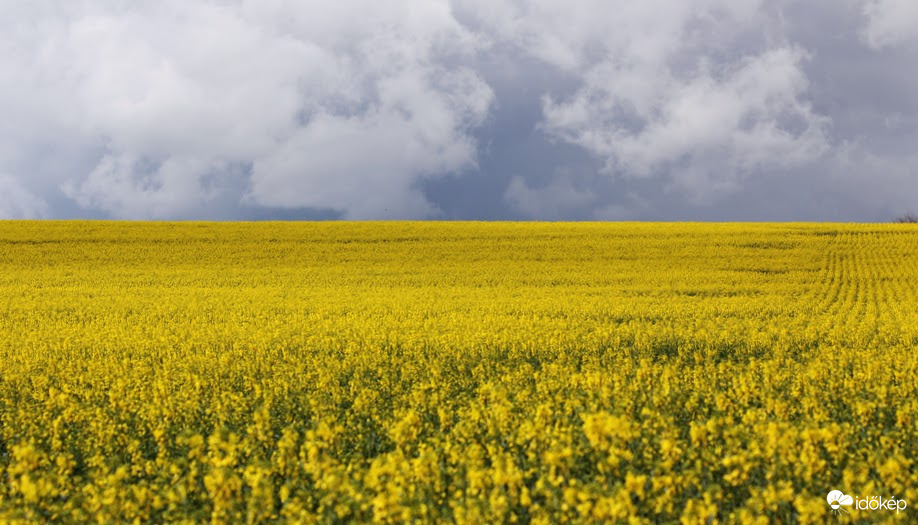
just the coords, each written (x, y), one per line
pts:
(471, 109)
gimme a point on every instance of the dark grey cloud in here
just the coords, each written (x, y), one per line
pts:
(464, 109)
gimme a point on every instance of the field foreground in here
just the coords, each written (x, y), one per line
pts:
(468, 372)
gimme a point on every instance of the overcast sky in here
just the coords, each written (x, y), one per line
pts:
(464, 109)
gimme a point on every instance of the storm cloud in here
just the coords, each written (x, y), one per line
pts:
(465, 109)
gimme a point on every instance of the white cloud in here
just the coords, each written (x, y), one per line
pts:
(369, 163)
(891, 22)
(706, 131)
(323, 100)
(131, 186)
(198, 107)
(560, 198)
(18, 203)
(695, 90)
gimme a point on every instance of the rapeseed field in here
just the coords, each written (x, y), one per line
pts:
(456, 372)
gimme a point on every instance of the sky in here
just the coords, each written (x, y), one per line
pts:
(712, 110)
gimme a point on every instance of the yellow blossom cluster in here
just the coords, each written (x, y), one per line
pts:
(455, 372)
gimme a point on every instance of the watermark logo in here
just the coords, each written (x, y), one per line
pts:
(838, 500)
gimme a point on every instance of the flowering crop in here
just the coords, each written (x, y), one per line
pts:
(457, 372)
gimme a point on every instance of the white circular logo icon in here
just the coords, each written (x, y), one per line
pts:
(837, 498)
